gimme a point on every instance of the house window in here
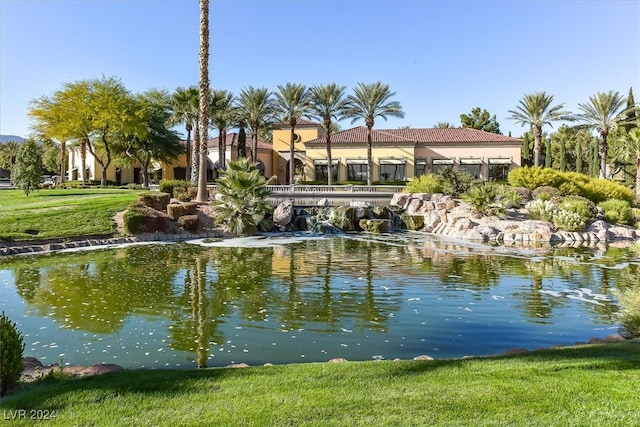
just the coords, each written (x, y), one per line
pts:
(356, 170)
(499, 169)
(321, 170)
(392, 169)
(440, 164)
(421, 167)
(473, 166)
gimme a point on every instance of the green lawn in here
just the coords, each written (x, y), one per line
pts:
(594, 385)
(46, 214)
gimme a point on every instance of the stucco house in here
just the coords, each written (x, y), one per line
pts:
(397, 154)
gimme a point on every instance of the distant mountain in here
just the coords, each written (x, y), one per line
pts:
(7, 138)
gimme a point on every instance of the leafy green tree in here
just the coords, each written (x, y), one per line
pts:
(223, 115)
(204, 100)
(328, 102)
(603, 112)
(368, 102)
(628, 151)
(443, 125)
(243, 203)
(632, 119)
(480, 120)
(292, 102)
(525, 150)
(184, 110)
(8, 155)
(255, 108)
(51, 156)
(153, 141)
(28, 167)
(535, 110)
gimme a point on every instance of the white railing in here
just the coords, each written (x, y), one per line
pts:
(333, 189)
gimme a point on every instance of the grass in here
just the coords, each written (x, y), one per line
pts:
(570, 386)
(47, 214)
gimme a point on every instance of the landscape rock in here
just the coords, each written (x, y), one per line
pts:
(283, 214)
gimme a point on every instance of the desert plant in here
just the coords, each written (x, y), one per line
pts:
(428, 183)
(509, 197)
(483, 200)
(617, 211)
(541, 209)
(11, 348)
(455, 182)
(600, 190)
(534, 177)
(567, 220)
(547, 192)
(243, 197)
(580, 205)
(629, 315)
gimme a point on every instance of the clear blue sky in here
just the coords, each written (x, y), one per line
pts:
(442, 58)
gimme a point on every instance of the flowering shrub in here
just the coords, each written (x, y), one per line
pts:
(567, 220)
(541, 209)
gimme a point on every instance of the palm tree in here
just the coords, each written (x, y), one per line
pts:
(628, 150)
(604, 112)
(223, 114)
(204, 95)
(255, 108)
(292, 103)
(327, 102)
(443, 125)
(368, 102)
(535, 110)
(184, 110)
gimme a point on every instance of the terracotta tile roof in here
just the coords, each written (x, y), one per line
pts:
(232, 141)
(358, 135)
(301, 123)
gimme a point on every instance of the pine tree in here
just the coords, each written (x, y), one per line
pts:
(632, 117)
(242, 142)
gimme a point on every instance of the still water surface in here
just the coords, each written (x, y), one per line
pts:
(295, 299)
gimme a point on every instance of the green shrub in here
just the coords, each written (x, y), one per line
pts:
(483, 200)
(508, 197)
(524, 193)
(541, 209)
(617, 211)
(569, 221)
(534, 177)
(599, 190)
(547, 193)
(455, 182)
(157, 201)
(424, 184)
(170, 186)
(629, 315)
(143, 219)
(11, 348)
(580, 205)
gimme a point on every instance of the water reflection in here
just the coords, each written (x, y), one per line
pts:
(355, 296)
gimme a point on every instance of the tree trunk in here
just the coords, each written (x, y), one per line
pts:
(327, 126)
(292, 151)
(254, 140)
(83, 160)
(222, 148)
(188, 154)
(369, 158)
(195, 155)
(537, 145)
(203, 196)
(603, 154)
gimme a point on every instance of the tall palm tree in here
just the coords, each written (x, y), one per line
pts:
(327, 102)
(223, 115)
(292, 102)
(184, 110)
(255, 108)
(368, 102)
(204, 96)
(535, 110)
(604, 112)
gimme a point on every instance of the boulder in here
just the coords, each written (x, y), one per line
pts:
(283, 214)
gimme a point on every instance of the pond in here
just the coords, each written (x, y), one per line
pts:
(291, 299)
